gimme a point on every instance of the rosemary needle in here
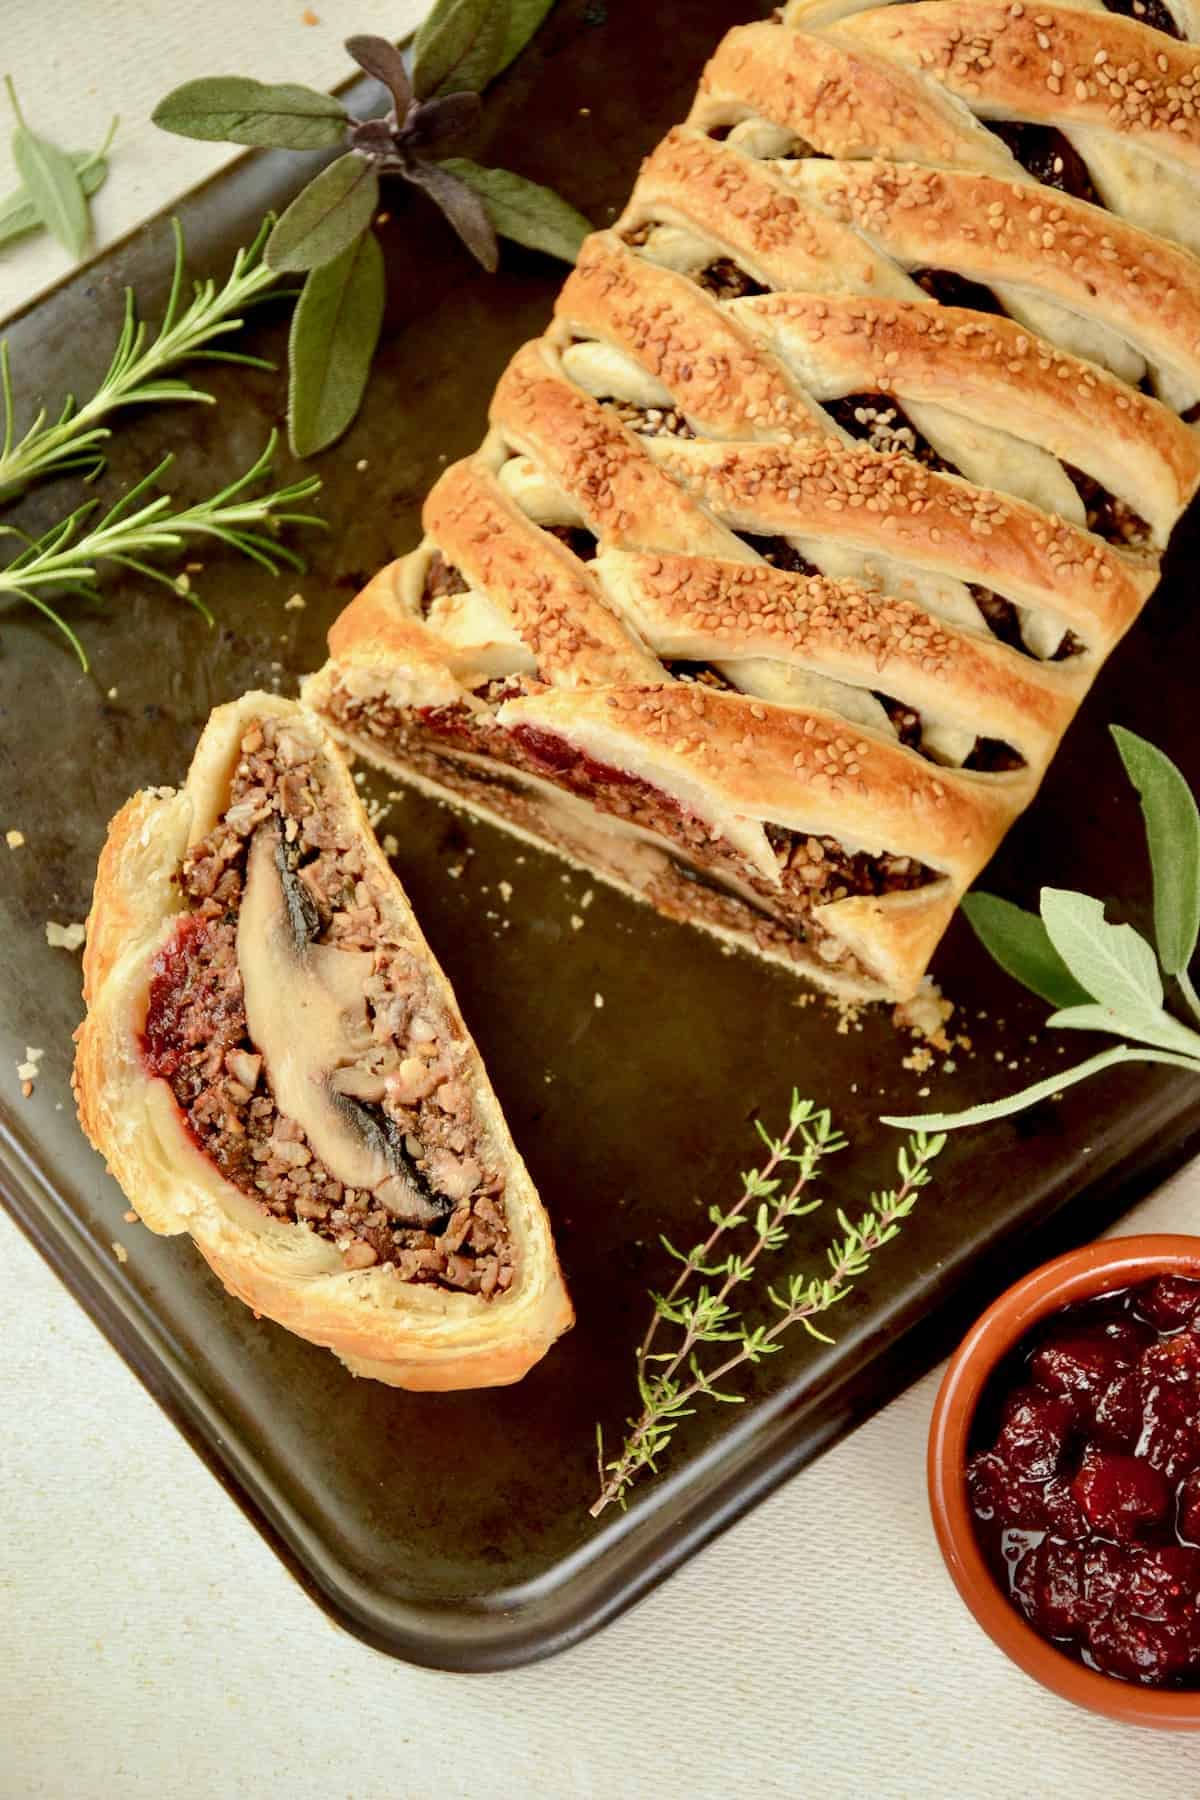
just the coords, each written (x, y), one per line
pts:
(138, 371)
(65, 558)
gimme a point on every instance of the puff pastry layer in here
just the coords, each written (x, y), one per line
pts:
(851, 452)
(273, 1062)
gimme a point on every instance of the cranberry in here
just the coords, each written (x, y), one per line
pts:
(1035, 1433)
(1188, 1519)
(1119, 1412)
(1162, 1583)
(1120, 1494)
(1083, 1364)
(1170, 1380)
(1061, 1513)
(995, 1494)
(1050, 1587)
(1104, 1567)
(1087, 1500)
(1170, 1302)
(1139, 1649)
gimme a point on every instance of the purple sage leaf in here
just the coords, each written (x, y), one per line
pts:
(432, 126)
(464, 209)
(383, 60)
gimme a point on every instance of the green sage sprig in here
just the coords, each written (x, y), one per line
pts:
(56, 185)
(1099, 976)
(672, 1382)
(326, 233)
(65, 559)
(138, 371)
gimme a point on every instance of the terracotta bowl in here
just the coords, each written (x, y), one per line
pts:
(1081, 1274)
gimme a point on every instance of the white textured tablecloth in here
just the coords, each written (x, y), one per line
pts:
(150, 1642)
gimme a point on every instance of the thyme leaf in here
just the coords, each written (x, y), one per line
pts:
(671, 1381)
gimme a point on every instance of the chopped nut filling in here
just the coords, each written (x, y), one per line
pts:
(581, 542)
(441, 579)
(1004, 621)
(726, 280)
(883, 424)
(283, 924)
(1147, 12)
(1049, 157)
(992, 756)
(906, 720)
(826, 870)
(1110, 518)
(949, 289)
(701, 674)
(652, 421)
(780, 554)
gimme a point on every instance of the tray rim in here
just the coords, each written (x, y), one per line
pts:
(457, 1639)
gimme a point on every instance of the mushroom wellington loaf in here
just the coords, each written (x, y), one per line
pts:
(273, 1061)
(850, 454)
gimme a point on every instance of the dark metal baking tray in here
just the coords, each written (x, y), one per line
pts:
(453, 1530)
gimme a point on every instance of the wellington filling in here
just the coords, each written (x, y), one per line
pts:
(709, 878)
(302, 1038)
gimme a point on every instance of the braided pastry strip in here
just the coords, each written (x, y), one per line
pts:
(797, 540)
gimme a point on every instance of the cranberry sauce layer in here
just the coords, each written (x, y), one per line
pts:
(286, 927)
(812, 871)
(1085, 1482)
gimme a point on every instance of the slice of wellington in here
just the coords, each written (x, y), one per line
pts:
(273, 1062)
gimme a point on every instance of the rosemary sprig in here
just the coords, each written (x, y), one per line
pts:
(138, 372)
(773, 1196)
(65, 557)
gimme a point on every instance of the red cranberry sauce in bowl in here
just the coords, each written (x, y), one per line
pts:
(1084, 1481)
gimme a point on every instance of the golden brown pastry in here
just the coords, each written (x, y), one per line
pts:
(850, 454)
(273, 1062)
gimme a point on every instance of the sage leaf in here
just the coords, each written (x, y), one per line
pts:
(326, 217)
(335, 329)
(1015, 1103)
(379, 57)
(234, 109)
(1162, 1030)
(524, 18)
(19, 216)
(1020, 943)
(480, 64)
(433, 125)
(1113, 963)
(1173, 835)
(522, 210)
(463, 208)
(51, 180)
(458, 46)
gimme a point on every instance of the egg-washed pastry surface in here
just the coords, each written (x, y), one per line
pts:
(850, 453)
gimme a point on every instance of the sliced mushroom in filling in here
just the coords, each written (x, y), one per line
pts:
(311, 1054)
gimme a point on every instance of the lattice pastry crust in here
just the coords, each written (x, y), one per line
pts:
(850, 454)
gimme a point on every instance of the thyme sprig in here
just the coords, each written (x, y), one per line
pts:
(671, 1382)
(139, 372)
(65, 558)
